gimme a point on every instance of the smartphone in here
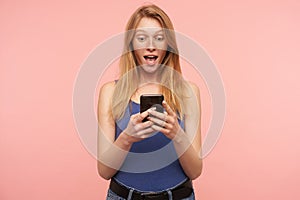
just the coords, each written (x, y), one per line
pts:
(151, 100)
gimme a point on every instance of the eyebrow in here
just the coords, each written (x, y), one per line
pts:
(141, 30)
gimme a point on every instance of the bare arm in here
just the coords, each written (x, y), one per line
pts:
(191, 160)
(106, 134)
(111, 152)
(187, 143)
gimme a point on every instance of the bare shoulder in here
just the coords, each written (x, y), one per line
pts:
(106, 93)
(108, 88)
(192, 104)
(195, 89)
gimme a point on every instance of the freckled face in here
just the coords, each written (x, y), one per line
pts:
(149, 44)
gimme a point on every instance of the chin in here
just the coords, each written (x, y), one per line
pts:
(150, 69)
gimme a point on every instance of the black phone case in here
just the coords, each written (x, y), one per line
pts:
(151, 100)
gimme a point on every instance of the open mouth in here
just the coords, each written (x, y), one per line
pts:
(150, 58)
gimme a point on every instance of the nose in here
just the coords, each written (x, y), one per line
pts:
(150, 46)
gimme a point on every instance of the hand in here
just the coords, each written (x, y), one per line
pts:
(138, 130)
(166, 122)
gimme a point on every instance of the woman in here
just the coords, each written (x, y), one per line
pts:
(149, 65)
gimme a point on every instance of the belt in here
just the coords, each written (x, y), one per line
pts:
(180, 192)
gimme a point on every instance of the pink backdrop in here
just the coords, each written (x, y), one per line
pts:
(255, 46)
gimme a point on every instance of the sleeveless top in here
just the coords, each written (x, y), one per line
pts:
(151, 164)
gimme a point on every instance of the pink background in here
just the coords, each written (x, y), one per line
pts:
(255, 46)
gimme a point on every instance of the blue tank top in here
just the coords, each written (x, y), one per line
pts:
(151, 164)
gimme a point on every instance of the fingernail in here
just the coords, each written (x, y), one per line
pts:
(164, 102)
(152, 109)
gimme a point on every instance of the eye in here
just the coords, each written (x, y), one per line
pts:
(159, 38)
(141, 38)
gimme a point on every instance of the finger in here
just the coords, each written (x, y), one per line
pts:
(138, 118)
(145, 132)
(159, 115)
(163, 124)
(135, 118)
(159, 122)
(144, 125)
(143, 115)
(168, 108)
(162, 116)
(160, 129)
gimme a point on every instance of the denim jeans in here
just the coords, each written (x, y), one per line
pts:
(112, 196)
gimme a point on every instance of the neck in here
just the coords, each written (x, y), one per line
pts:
(145, 78)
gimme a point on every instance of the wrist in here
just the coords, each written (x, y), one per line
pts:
(125, 141)
(181, 138)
